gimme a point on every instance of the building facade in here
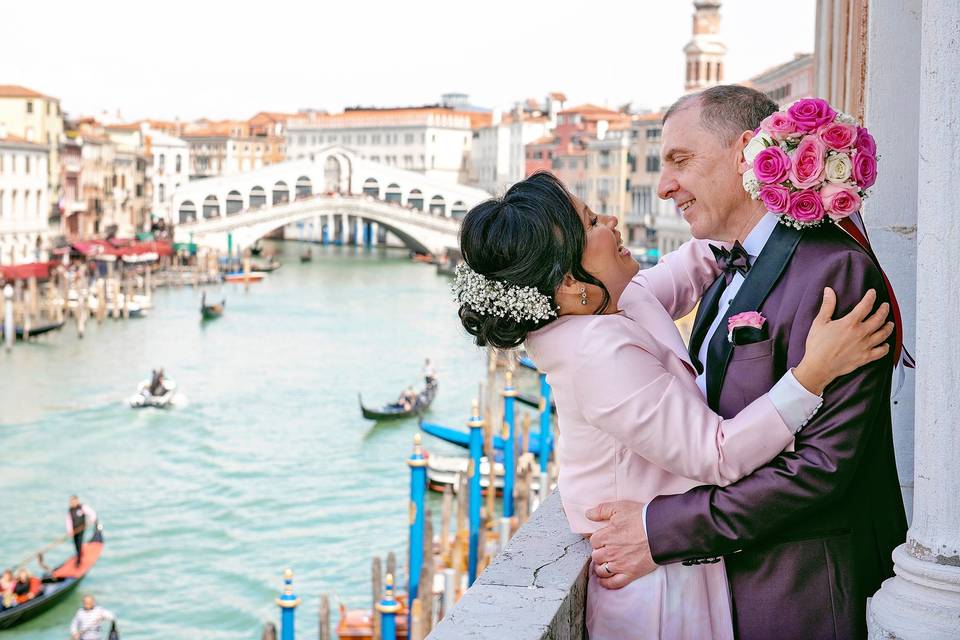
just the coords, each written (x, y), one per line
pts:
(24, 200)
(170, 165)
(705, 53)
(786, 82)
(497, 156)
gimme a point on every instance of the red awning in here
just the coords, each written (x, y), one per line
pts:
(38, 270)
(93, 248)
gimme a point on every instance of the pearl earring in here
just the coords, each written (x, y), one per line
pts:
(583, 295)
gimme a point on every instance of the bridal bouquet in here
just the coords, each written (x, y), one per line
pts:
(810, 163)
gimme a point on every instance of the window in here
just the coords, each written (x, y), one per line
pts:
(643, 200)
(408, 138)
(29, 106)
(1, 201)
(26, 165)
(653, 133)
(653, 164)
(161, 162)
(604, 159)
(162, 192)
(375, 138)
(178, 163)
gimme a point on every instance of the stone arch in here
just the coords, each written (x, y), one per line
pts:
(258, 197)
(188, 212)
(393, 193)
(415, 199)
(332, 173)
(304, 188)
(458, 210)
(371, 187)
(281, 193)
(211, 207)
(234, 202)
(438, 206)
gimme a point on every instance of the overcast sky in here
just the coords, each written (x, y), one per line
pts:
(201, 58)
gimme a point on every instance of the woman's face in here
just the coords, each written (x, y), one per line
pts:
(604, 256)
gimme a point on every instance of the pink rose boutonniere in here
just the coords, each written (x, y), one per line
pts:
(748, 322)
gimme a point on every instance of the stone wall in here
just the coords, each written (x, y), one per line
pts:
(534, 589)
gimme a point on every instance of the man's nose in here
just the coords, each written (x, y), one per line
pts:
(667, 185)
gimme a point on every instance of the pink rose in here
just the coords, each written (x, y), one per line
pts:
(771, 165)
(808, 161)
(811, 113)
(806, 206)
(865, 142)
(775, 198)
(839, 201)
(779, 125)
(838, 136)
(751, 319)
(864, 169)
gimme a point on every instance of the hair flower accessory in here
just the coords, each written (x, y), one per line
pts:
(809, 164)
(748, 320)
(498, 298)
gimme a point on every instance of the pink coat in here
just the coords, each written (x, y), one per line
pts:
(634, 425)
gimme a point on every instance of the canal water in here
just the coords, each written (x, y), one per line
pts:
(268, 465)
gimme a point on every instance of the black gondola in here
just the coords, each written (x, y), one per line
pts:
(36, 330)
(396, 410)
(211, 311)
(306, 256)
(56, 586)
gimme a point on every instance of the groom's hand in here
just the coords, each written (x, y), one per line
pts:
(621, 548)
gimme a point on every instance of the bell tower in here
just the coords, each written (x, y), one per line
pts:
(705, 52)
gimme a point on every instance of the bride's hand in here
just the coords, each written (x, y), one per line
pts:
(837, 347)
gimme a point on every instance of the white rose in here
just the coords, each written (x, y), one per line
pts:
(838, 168)
(846, 118)
(757, 144)
(750, 184)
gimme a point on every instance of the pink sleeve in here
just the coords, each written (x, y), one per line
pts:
(69, 525)
(680, 278)
(90, 514)
(624, 390)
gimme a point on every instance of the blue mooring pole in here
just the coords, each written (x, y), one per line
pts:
(473, 474)
(418, 487)
(546, 436)
(510, 446)
(388, 608)
(288, 604)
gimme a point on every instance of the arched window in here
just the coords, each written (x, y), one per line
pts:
(437, 206)
(393, 193)
(304, 188)
(458, 210)
(371, 187)
(258, 198)
(211, 207)
(415, 199)
(188, 212)
(234, 202)
(281, 193)
(331, 175)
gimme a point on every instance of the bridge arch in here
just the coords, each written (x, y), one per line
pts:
(281, 193)
(234, 202)
(415, 199)
(211, 207)
(188, 212)
(438, 206)
(393, 193)
(458, 210)
(371, 187)
(304, 188)
(258, 197)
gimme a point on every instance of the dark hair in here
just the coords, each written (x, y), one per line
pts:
(530, 237)
(727, 109)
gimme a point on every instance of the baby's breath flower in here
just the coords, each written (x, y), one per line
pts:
(498, 298)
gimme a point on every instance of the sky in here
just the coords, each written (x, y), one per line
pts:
(192, 59)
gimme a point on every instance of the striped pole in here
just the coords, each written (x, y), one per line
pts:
(546, 437)
(509, 447)
(418, 486)
(288, 605)
(388, 608)
(473, 474)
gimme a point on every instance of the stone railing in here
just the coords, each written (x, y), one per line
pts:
(534, 589)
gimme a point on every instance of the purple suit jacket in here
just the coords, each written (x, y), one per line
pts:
(807, 538)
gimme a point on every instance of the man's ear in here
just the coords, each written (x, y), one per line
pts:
(569, 286)
(740, 144)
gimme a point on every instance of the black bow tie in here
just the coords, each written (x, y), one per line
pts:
(733, 261)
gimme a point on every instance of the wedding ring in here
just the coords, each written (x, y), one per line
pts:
(606, 567)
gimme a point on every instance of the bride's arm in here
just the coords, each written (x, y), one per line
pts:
(624, 390)
(680, 278)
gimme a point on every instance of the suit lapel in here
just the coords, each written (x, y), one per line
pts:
(760, 281)
(705, 315)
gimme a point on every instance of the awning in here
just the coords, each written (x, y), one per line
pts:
(38, 270)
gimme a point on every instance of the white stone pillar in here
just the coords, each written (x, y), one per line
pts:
(893, 71)
(923, 600)
(317, 230)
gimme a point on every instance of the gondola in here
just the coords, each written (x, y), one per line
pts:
(272, 265)
(395, 410)
(256, 249)
(211, 311)
(239, 276)
(306, 256)
(37, 330)
(60, 582)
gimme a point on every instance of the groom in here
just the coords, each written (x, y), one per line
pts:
(807, 538)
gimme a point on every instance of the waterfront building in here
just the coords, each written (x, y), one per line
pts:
(131, 181)
(170, 159)
(608, 167)
(786, 82)
(706, 51)
(88, 157)
(36, 118)
(24, 199)
(222, 148)
(432, 139)
(497, 157)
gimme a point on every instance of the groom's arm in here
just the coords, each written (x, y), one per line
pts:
(711, 521)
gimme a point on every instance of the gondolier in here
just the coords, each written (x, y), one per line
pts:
(80, 517)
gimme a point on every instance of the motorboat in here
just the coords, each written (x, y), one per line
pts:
(143, 398)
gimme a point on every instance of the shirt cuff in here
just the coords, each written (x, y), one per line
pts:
(645, 520)
(793, 402)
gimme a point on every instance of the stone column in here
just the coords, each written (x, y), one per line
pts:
(923, 600)
(890, 213)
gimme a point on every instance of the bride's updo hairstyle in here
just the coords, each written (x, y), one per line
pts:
(530, 237)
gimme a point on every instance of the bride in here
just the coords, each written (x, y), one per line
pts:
(541, 268)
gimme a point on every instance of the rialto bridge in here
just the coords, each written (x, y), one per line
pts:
(334, 197)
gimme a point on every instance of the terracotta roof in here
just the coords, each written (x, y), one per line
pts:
(557, 95)
(16, 91)
(125, 126)
(18, 140)
(591, 109)
(649, 117)
(542, 141)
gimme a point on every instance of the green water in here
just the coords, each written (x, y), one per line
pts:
(269, 464)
